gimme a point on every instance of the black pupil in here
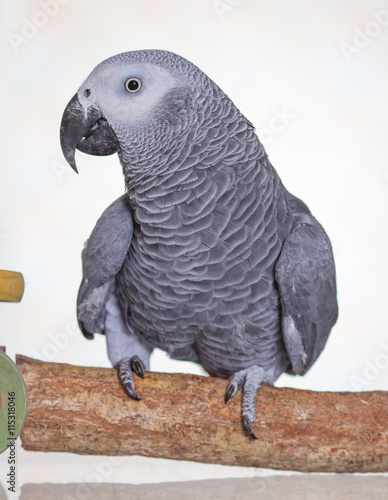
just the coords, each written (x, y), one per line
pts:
(133, 85)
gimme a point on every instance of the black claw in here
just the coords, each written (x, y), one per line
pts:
(131, 392)
(137, 366)
(247, 426)
(230, 392)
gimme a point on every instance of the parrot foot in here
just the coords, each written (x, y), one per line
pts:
(250, 380)
(125, 367)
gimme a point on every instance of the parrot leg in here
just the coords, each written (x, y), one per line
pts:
(125, 367)
(250, 380)
(127, 351)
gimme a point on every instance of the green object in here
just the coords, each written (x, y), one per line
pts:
(13, 401)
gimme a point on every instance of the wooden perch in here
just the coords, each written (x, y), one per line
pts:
(85, 410)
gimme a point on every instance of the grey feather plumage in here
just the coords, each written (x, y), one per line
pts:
(102, 261)
(210, 257)
(97, 303)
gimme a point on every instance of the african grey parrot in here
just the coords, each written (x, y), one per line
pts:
(207, 256)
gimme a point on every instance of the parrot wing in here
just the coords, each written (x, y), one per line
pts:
(102, 259)
(305, 274)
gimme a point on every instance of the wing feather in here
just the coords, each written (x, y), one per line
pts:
(102, 259)
(305, 274)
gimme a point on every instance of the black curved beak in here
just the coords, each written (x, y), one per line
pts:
(87, 131)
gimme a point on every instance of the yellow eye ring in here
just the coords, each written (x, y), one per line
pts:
(132, 85)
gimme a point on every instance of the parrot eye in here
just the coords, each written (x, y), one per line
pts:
(132, 85)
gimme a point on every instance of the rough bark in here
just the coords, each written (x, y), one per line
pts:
(85, 410)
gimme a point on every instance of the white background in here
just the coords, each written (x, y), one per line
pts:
(311, 76)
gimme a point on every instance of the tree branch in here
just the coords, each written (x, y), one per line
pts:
(85, 410)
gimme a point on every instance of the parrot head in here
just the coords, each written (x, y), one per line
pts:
(133, 103)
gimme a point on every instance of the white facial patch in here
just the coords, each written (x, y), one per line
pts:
(107, 89)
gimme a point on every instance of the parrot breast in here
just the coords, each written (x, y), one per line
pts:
(201, 264)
